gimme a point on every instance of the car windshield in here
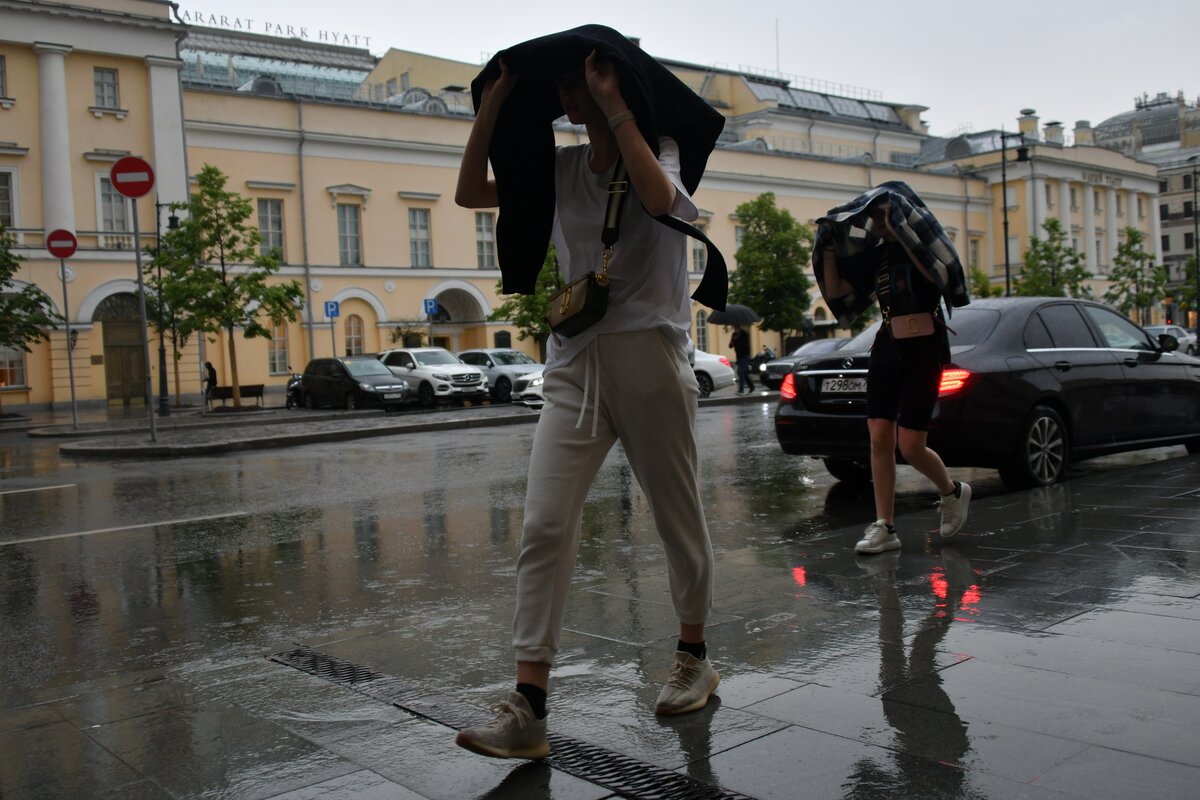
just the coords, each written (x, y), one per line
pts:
(970, 325)
(432, 358)
(510, 358)
(360, 368)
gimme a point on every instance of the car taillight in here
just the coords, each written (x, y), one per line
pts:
(787, 390)
(725, 361)
(953, 380)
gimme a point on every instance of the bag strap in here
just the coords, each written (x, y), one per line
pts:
(618, 188)
(713, 290)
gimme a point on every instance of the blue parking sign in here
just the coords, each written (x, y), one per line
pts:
(331, 308)
(431, 307)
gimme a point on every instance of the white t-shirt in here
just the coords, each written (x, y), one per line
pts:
(648, 277)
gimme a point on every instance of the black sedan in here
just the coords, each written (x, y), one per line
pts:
(351, 382)
(772, 373)
(1034, 384)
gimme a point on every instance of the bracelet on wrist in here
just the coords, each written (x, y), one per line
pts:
(620, 117)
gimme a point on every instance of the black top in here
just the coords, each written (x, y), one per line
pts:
(740, 342)
(901, 289)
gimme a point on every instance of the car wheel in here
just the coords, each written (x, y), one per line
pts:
(849, 470)
(425, 394)
(309, 402)
(503, 391)
(1043, 451)
(705, 383)
(351, 401)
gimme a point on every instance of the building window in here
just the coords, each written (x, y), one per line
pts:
(349, 235)
(354, 335)
(1010, 196)
(973, 252)
(1189, 241)
(699, 252)
(12, 366)
(277, 355)
(702, 331)
(1166, 242)
(1120, 207)
(1187, 208)
(502, 339)
(485, 240)
(1074, 200)
(1075, 243)
(1049, 196)
(1187, 181)
(113, 216)
(270, 228)
(3, 77)
(418, 237)
(1164, 185)
(1096, 201)
(1141, 208)
(1164, 211)
(8, 202)
(107, 92)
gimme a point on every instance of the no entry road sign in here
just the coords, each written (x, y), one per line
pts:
(131, 177)
(61, 243)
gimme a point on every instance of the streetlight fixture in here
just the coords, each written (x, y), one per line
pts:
(1022, 156)
(1195, 241)
(164, 401)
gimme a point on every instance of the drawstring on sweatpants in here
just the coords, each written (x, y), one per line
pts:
(592, 354)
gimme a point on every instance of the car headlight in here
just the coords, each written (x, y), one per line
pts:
(366, 387)
(537, 381)
(762, 367)
(438, 377)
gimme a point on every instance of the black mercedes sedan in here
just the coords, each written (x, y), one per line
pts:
(351, 382)
(1034, 384)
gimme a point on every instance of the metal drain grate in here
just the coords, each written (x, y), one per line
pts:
(626, 776)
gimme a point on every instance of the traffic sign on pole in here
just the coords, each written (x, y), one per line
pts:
(332, 308)
(431, 307)
(61, 243)
(132, 177)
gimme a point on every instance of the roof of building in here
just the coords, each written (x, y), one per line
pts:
(1156, 120)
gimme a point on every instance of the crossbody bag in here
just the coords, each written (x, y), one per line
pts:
(901, 326)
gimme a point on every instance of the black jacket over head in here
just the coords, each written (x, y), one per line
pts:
(522, 146)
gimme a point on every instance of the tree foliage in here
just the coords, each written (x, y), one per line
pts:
(772, 265)
(982, 286)
(1138, 282)
(218, 280)
(529, 312)
(25, 316)
(1052, 268)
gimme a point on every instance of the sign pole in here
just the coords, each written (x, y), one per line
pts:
(332, 339)
(141, 284)
(62, 271)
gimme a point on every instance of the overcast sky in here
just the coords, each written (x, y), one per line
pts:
(973, 64)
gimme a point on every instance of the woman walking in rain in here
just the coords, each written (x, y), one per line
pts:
(626, 377)
(908, 264)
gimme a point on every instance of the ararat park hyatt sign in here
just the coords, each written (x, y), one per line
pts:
(273, 28)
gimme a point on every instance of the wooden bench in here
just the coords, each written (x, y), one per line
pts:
(248, 391)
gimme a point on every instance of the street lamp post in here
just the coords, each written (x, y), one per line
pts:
(1022, 156)
(164, 401)
(1195, 242)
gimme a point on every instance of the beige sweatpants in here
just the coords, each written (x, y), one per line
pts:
(638, 389)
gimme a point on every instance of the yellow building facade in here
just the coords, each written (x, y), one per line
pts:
(350, 161)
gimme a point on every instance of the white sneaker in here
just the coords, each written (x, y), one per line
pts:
(877, 538)
(689, 686)
(954, 508)
(514, 733)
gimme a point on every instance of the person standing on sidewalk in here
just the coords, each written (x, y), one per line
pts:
(739, 342)
(909, 265)
(626, 378)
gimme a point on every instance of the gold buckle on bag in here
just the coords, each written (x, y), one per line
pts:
(565, 305)
(913, 328)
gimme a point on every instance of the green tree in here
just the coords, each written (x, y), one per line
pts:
(772, 263)
(1183, 296)
(1138, 282)
(25, 315)
(981, 285)
(1052, 268)
(165, 273)
(529, 312)
(223, 282)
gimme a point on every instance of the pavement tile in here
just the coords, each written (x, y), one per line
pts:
(19, 719)
(1144, 630)
(1153, 572)
(1185, 607)
(361, 785)
(59, 761)
(1099, 773)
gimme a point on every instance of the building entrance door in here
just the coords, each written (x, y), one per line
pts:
(124, 362)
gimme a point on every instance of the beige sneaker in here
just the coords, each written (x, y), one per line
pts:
(954, 509)
(689, 686)
(514, 733)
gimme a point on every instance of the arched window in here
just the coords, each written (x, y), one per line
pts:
(503, 339)
(702, 331)
(354, 335)
(819, 315)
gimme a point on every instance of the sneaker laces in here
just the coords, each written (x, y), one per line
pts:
(502, 710)
(682, 675)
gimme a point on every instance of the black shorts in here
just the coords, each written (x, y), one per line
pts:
(902, 382)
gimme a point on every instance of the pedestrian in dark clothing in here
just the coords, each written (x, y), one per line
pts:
(740, 343)
(210, 378)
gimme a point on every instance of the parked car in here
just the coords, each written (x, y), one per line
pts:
(1034, 384)
(527, 389)
(503, 366)
(351, 382)
(1185, 337)
(713, 372)
(434, 373)
(773, 372)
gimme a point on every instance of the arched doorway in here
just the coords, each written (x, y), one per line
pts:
(460, 320)
(124, 362)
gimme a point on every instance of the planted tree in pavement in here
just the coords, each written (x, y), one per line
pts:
(1137, 282)
(529, 312)
(772, 265)
(1052, 267)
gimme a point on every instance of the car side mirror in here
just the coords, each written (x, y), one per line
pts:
(1168, 343)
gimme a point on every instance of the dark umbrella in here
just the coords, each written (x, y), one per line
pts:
(734, 314)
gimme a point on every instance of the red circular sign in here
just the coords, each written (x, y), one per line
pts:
(61, 243)
(132, 177)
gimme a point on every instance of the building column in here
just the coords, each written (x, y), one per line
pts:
(1110, 226)
(1131, 216)
(166, 110)
(1039, 204)
(58, 208)
(1064, 206)
(1155, 230)
(1091, 257)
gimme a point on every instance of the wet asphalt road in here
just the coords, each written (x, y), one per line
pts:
(398, 553)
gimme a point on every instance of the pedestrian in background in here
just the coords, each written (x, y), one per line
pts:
(626, 377)
(907, 263)
(739, 342)
(210, 379)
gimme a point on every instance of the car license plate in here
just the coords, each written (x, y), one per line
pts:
(843, 385)
(393, 396)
